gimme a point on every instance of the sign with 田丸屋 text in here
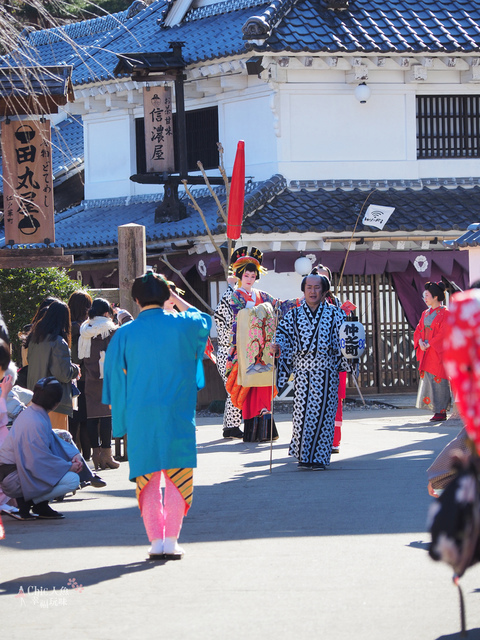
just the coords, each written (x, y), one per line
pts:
(27, 182)
(157, 104)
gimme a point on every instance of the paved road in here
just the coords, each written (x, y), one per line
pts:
(337, 555)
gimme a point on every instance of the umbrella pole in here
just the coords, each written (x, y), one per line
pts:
(358, 389)
(273, 390)
(271, 414)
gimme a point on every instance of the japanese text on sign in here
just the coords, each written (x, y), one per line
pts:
(352, 339)
(157, 104)
(27, 182)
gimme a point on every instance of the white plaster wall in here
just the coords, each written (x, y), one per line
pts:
(333, 128)
(109, 155)
(328, 134)
(250, 119)
(307, 126)
(281, 285)
(474, 263)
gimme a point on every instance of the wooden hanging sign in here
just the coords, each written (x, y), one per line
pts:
(157, 104)
(27, 182)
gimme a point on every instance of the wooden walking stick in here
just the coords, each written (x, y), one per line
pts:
(273, 387)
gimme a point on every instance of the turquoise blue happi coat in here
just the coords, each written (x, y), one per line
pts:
(153, 369)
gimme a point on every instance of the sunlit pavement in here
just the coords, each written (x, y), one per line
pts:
(337, 554)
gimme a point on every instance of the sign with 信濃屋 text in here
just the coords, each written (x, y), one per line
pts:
(157, 104)
(27, 182)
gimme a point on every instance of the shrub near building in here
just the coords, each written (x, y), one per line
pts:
(22, 290)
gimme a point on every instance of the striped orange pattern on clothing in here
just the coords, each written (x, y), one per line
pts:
(181, 478)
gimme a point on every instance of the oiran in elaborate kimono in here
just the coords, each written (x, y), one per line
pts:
(251, 337)
(308, 340)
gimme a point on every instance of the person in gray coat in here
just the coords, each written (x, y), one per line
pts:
(49, 355)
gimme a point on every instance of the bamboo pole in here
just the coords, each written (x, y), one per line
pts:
(351, 238)
(197, 207)
(212, 192)
(184, 280)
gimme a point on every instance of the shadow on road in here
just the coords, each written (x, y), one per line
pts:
(472, 634)
(85, 578)
(383, 492)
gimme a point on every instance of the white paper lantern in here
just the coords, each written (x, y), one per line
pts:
(352, 339)
(303, 266)
(362, 93)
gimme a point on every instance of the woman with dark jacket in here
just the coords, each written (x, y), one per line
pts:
(95, 335)
(79, 303)
(49, 355)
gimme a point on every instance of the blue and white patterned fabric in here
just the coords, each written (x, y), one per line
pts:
(310, 349)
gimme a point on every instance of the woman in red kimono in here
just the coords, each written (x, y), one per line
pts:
(429, 342)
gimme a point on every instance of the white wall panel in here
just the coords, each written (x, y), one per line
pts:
(337, 128)
(253, 121)
(108, 155)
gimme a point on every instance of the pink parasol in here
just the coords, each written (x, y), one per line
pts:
(237, 194)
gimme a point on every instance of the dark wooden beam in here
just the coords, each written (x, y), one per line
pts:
(31, 258)
(22, 106)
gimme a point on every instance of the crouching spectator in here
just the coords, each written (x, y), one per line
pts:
(18, 398)
(35, 464)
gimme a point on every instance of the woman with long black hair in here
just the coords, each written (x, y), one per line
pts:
(49, 355)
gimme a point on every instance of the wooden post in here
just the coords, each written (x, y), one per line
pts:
(132, 262)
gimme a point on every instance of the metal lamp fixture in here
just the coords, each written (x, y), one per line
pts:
(362, 93)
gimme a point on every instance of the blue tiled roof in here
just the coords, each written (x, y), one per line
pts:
(67, 144)
(334, 211)
(96, 222)
(471, 238)
(229, 28)
(67, 147)
(372, 26)
(271, 208)
(72, 43)
(215, 36)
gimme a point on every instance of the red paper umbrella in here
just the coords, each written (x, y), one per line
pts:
(237, 194)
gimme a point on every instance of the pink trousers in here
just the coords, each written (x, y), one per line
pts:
(162, 517)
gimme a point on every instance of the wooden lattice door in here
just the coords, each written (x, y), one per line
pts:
(389, 364)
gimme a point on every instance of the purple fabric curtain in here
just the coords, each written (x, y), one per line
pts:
(410, 285)
(410, 270)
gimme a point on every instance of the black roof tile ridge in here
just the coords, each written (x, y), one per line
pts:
(261, 26)
(121, 200)
(263, 193)
(347, 184)
(219, 8)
